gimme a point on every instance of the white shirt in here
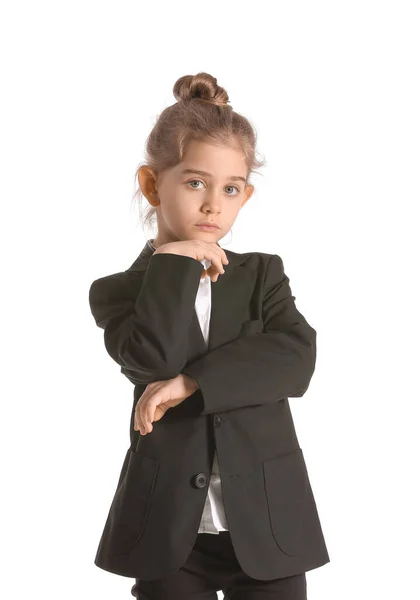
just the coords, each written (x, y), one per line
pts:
(213, 519)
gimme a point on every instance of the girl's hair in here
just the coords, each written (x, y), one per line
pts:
(201, 113)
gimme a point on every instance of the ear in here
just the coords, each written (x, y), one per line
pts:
(147, 181)
(249, 190)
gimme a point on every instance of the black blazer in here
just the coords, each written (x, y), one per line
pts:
(261, 351)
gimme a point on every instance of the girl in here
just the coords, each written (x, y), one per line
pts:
(213, 492)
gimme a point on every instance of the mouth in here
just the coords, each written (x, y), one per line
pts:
(207, 227)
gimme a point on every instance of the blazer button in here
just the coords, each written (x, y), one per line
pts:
(200, 480)
(217, 420)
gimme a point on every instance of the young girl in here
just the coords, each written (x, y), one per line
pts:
(213, 492)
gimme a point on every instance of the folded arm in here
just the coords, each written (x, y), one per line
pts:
(147, 333)
(265, 367)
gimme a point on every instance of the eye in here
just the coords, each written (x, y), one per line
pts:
(194, 181)
(228, 186)
(235, 188)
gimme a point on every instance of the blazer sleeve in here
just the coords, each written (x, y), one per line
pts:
(264, 367)
(147, 332)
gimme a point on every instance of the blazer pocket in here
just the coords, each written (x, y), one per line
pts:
(252, 327)
(287, 491)
(130, 506)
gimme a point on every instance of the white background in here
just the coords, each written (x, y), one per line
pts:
(332, 89)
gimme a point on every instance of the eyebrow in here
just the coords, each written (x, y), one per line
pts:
(235, 177)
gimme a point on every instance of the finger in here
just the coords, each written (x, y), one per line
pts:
(223, 262)
(220, 259)
(137, 426)
(147, 411)
(142, 413)
(139, 417)
(216, 270)
(217, 262)
(150, 414)
(213, 272)
(219, 252)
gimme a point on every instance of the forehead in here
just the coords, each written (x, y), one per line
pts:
(210, 160)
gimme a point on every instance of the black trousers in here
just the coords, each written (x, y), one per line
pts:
(211, 567)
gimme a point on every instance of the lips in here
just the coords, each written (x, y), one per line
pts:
(209, 225)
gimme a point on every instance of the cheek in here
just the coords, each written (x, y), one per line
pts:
(178, 209)
(231, 213)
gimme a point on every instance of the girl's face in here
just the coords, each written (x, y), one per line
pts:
(184, 197)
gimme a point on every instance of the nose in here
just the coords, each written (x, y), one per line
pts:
(212, 202)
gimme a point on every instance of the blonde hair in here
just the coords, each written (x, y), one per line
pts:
(201, 113)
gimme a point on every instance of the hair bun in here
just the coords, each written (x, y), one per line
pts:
(202, 86)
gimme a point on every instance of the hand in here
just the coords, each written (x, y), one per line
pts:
(199, 250)
(158, 397)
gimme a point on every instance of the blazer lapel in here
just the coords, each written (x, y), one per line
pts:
(229, 301)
